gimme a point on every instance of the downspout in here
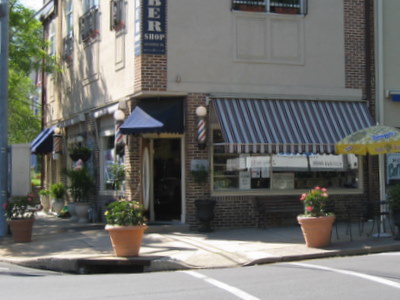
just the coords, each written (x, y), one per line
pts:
(368, 84)
(380, 87)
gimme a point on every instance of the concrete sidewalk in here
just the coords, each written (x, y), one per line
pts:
(61, 245)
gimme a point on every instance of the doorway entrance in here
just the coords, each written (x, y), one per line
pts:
(167, 178)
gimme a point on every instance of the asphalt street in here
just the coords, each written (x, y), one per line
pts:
(375, 276)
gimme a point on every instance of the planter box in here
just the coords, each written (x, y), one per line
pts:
(287, 10)
(256, 8)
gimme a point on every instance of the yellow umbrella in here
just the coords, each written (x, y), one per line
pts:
(377, 139)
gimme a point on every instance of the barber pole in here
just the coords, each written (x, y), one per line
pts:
(201, 133)
(119, 142)
(119, 137)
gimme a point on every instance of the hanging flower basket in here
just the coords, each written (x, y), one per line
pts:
(80, 152)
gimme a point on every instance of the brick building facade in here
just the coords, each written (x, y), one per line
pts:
(223, 56)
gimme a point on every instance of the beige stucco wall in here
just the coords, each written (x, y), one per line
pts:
(214, 50)
(390, 36)
(102, 72)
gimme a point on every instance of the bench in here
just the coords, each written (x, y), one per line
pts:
(270, 209)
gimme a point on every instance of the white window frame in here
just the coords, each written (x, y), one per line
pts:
(272, 3)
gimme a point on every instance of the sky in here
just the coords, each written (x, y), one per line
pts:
(33, 4)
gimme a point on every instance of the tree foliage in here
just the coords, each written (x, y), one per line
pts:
(27, 51)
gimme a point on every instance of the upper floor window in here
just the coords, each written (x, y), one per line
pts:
(272, 6)
(68, 41)
(89, 22)
(117, 14)
(89, 4)
(69, 17)
(68, 48)
(52, 39)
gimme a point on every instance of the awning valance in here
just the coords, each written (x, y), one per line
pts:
(288, 126)
(155, 116)
(43, 143)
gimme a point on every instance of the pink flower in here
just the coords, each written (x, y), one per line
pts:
(317, 188)
(303, 197)
(324, 190)
(324, 195)
(309, 208)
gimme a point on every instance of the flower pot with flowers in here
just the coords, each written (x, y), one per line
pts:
(316, 222)
(126, 225)
(20, 217)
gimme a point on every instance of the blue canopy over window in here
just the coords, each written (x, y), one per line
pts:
(43, 143)
(164, 115)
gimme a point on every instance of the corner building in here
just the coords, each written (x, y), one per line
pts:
(277, 87)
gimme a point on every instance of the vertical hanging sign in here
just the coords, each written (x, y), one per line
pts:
(151, 31)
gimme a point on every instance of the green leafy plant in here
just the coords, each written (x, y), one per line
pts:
(57, 190)
(315, 202)
(125, 213)
(117, 175)
(19, 208)
(79, 152)
(80, 185)
(200, 174)
(393, 197)
(44, 192)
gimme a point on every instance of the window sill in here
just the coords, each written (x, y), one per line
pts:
(268, 192)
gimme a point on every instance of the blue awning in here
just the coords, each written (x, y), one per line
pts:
(288, 126)
(164, 115)
(140, 121)
(43, 143)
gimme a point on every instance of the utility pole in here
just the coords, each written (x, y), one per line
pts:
(4, 171)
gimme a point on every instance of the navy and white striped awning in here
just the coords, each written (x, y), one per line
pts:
(43, 143)
(288, 126)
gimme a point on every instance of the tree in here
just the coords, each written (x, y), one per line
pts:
(27, 51)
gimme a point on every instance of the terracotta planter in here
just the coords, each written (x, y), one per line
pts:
(126, 240)
(316, 230)
(21, 229)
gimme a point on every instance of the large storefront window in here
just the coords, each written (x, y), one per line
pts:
(281, 172)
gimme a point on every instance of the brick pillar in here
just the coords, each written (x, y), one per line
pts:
(195, 190)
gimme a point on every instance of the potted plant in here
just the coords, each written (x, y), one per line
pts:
(126, 225)
(79, 152)
(316, 222)
(80, 186)
(57, 191)
(20, 217)
(44, 199)
(393, 197)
